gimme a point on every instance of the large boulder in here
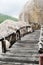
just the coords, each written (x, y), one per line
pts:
(32, 12)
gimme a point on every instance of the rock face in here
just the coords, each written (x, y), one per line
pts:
(32, 12)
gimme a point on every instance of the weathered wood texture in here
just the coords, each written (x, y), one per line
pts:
(24, 52)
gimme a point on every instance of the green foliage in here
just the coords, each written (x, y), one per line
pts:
(4, 17)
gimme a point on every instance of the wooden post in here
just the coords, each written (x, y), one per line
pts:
(3, 46)
(41, 59)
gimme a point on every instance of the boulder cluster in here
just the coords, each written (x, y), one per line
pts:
(33, 13)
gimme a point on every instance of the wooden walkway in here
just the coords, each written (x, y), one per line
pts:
(24, 52)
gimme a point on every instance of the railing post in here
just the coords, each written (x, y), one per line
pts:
(3, 46)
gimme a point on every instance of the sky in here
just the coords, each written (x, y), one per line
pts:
(12, 7)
